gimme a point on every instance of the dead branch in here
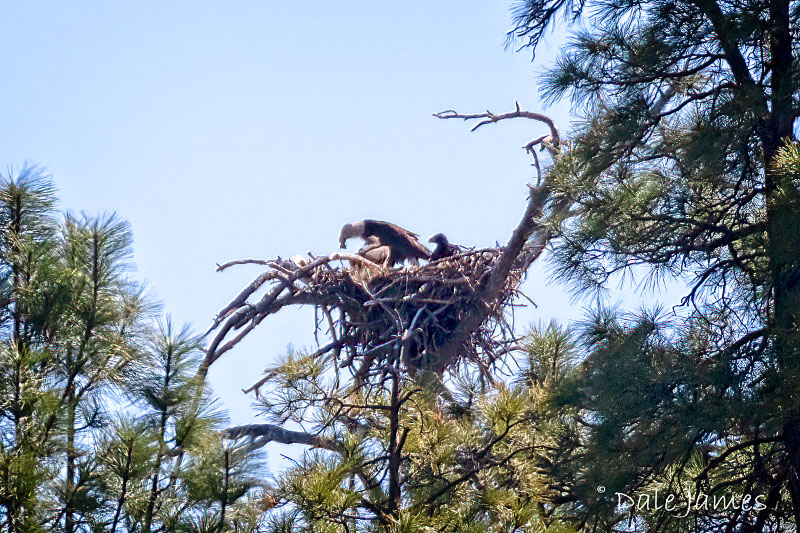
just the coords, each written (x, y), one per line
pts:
(262, 434)
(271, 374)
(499, 274)
(554, 139)
(223, 266)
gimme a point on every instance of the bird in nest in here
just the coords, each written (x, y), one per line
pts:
(399, 244)
(443, 247)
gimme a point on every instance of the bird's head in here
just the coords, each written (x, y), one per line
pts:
(439, 238)
(349, 231)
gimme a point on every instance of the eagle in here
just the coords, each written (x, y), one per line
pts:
(374, 251)
(403, 244)
(443, 247)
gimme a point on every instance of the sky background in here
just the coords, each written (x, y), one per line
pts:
(244, 129)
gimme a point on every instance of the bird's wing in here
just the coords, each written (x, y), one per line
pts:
(394, 228)
(376, 255)
(393, 235)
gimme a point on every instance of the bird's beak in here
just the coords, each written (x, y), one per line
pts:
(430, 240)
(342, 245)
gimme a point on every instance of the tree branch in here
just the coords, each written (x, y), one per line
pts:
(499, 273)
(264, 433)
(516, 248)
(552, 143)
(728, 451)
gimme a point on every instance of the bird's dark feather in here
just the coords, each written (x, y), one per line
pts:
(403, 244)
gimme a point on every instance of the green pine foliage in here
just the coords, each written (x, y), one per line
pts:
(684, 166)
(474, 457)
(100, 426)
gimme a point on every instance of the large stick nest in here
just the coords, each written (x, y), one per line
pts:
(431, 317)
(369, 312)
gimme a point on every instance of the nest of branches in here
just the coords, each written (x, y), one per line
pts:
(383, 326)
(432, 317)
(370, 313)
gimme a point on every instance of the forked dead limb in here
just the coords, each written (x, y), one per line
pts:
(552, 142)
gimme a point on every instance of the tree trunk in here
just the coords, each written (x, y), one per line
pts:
(124, 490)
(151, 504)
(393, 505)
(224, 504)
(792, 439)
(783, 198)
(69, 489)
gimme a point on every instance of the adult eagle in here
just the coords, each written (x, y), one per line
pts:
(403, 244)
(374, 251)
(443, 247)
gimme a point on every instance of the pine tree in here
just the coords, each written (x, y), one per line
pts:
(685, 165)
(99, 425)
(192, 480)
(93, 345)
(30, 407)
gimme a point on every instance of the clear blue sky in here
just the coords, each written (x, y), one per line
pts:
(250, 129)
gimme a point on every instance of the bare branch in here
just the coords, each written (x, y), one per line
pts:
(264, 433)
(271, 374)
(488, 117)
(499, 274)
(223, 266)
